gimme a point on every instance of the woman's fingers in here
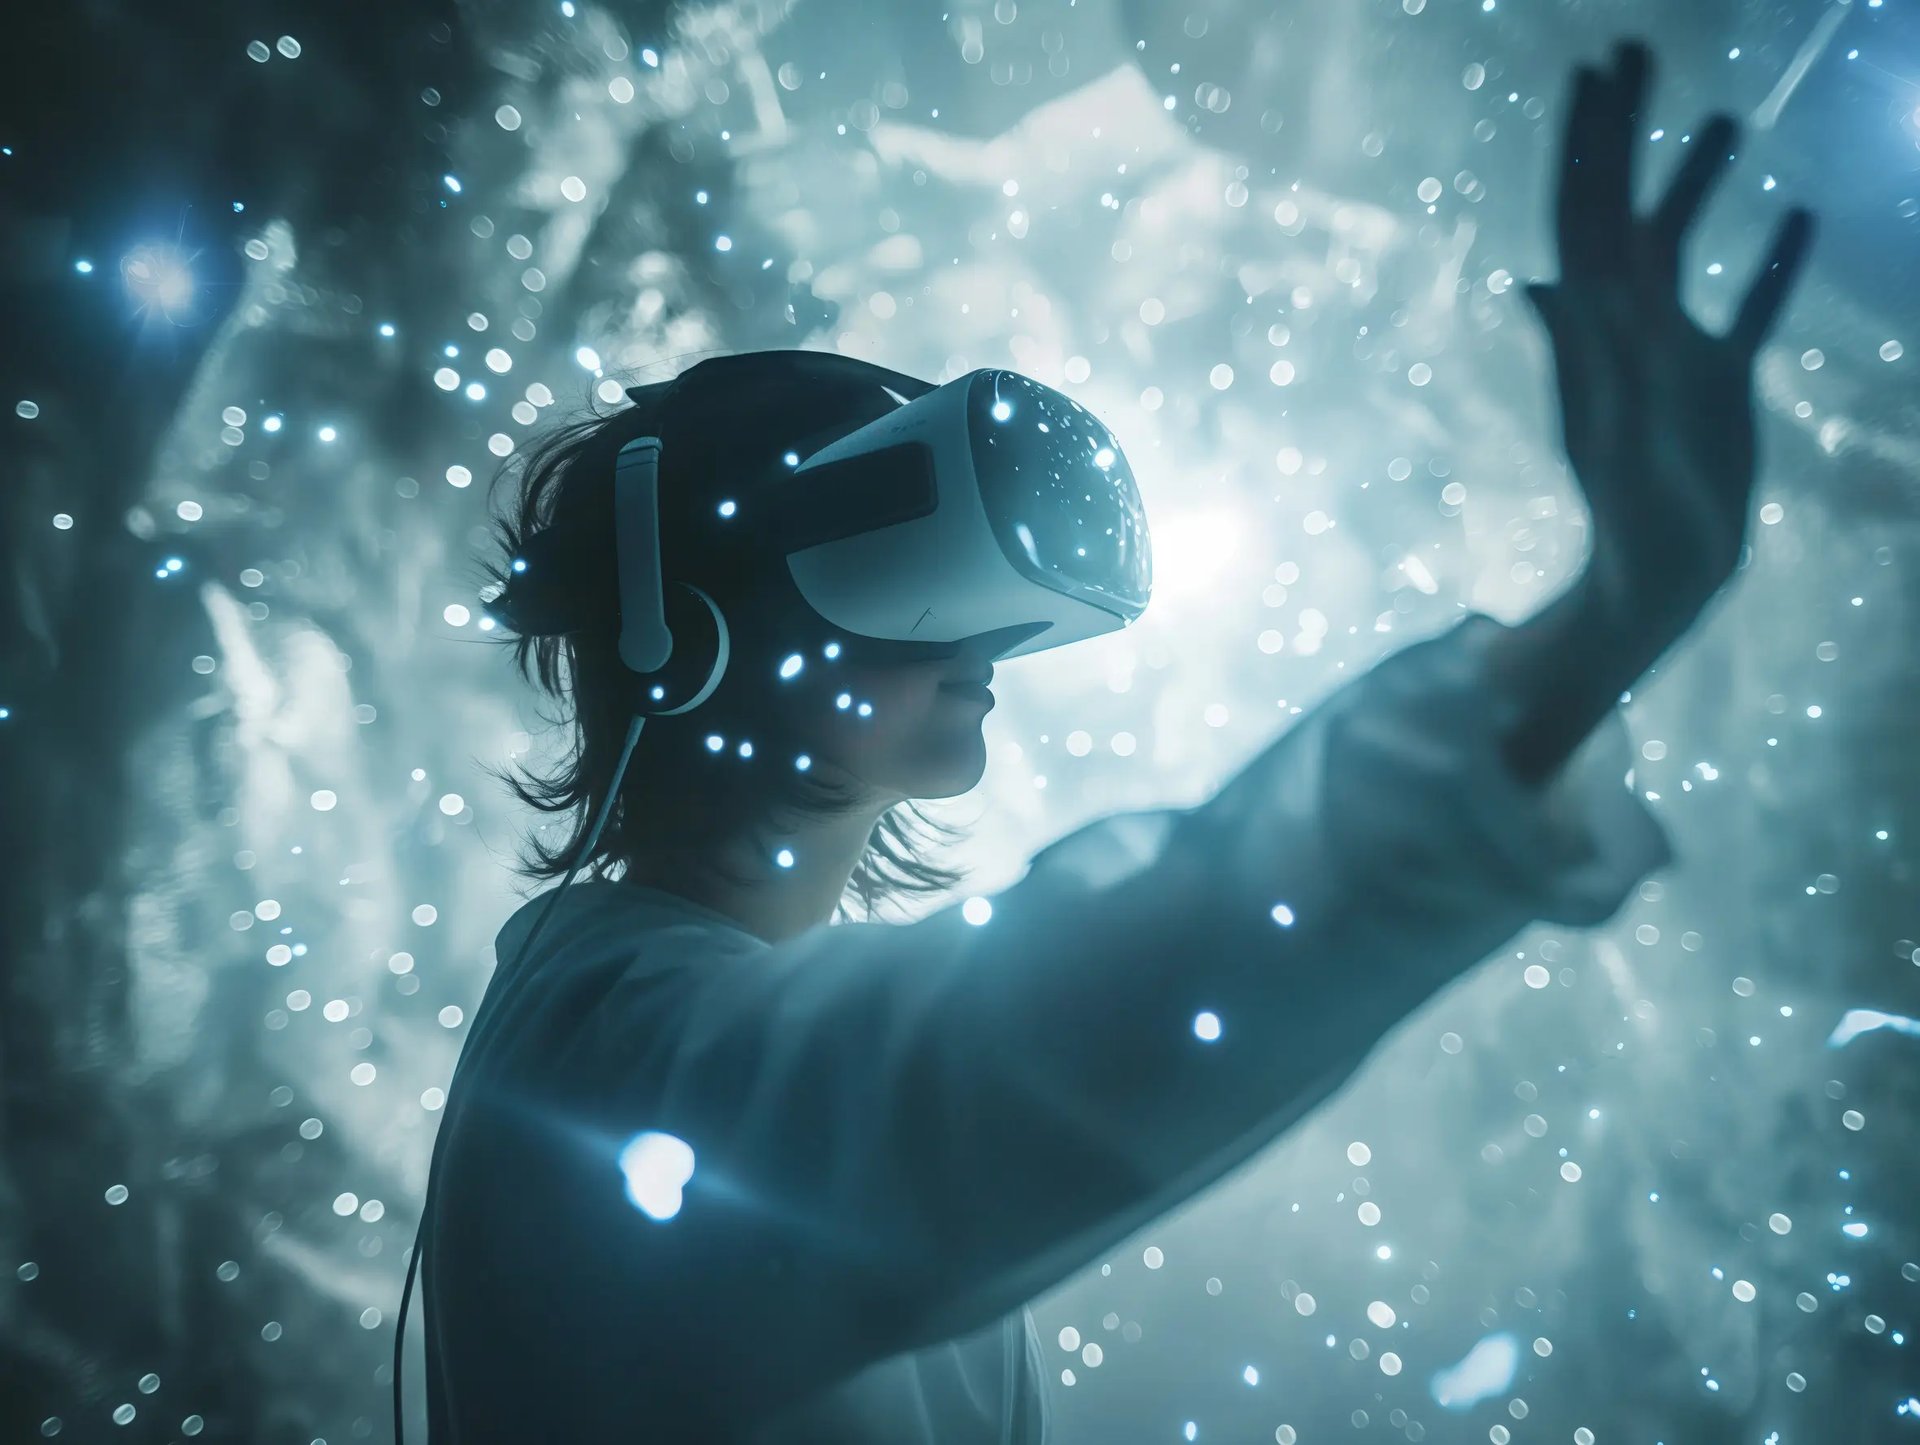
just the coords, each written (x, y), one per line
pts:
(1789, 251)
(1707, 160)
(1611, 157)
(1581, 254)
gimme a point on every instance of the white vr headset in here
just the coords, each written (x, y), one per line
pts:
(991, 504)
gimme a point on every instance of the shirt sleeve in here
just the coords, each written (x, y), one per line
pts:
(952, 1118)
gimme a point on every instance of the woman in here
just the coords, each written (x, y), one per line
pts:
(851, 1154)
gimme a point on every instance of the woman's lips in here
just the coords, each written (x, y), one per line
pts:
(978, 691)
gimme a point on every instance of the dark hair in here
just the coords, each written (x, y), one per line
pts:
(566, 484)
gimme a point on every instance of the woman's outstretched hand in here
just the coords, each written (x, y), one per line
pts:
(1658, 417)
(1658, 413)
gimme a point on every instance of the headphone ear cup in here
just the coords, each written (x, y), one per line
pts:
(701, 648)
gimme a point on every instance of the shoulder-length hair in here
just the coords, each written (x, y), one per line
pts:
(565, 482)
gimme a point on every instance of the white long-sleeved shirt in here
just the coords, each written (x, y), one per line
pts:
(901, 1134)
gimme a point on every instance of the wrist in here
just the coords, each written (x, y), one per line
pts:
(1563, 670)
(1644, 595)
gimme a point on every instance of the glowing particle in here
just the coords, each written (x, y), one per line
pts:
(1487, 1370)
(1206, 1026)
(657, 1168)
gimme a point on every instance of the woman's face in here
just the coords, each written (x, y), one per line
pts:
(911, 726)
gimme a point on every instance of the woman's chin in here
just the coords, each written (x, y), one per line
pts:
(957, 771)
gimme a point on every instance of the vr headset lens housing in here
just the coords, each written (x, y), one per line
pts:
(1058, 493)
(992, 504)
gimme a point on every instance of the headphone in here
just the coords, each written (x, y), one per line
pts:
(675, 641)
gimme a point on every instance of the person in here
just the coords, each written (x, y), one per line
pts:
(735, 1170)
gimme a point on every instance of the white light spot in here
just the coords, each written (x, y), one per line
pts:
(657, 1168)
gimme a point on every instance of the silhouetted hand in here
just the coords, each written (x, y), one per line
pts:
(1658, 414)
